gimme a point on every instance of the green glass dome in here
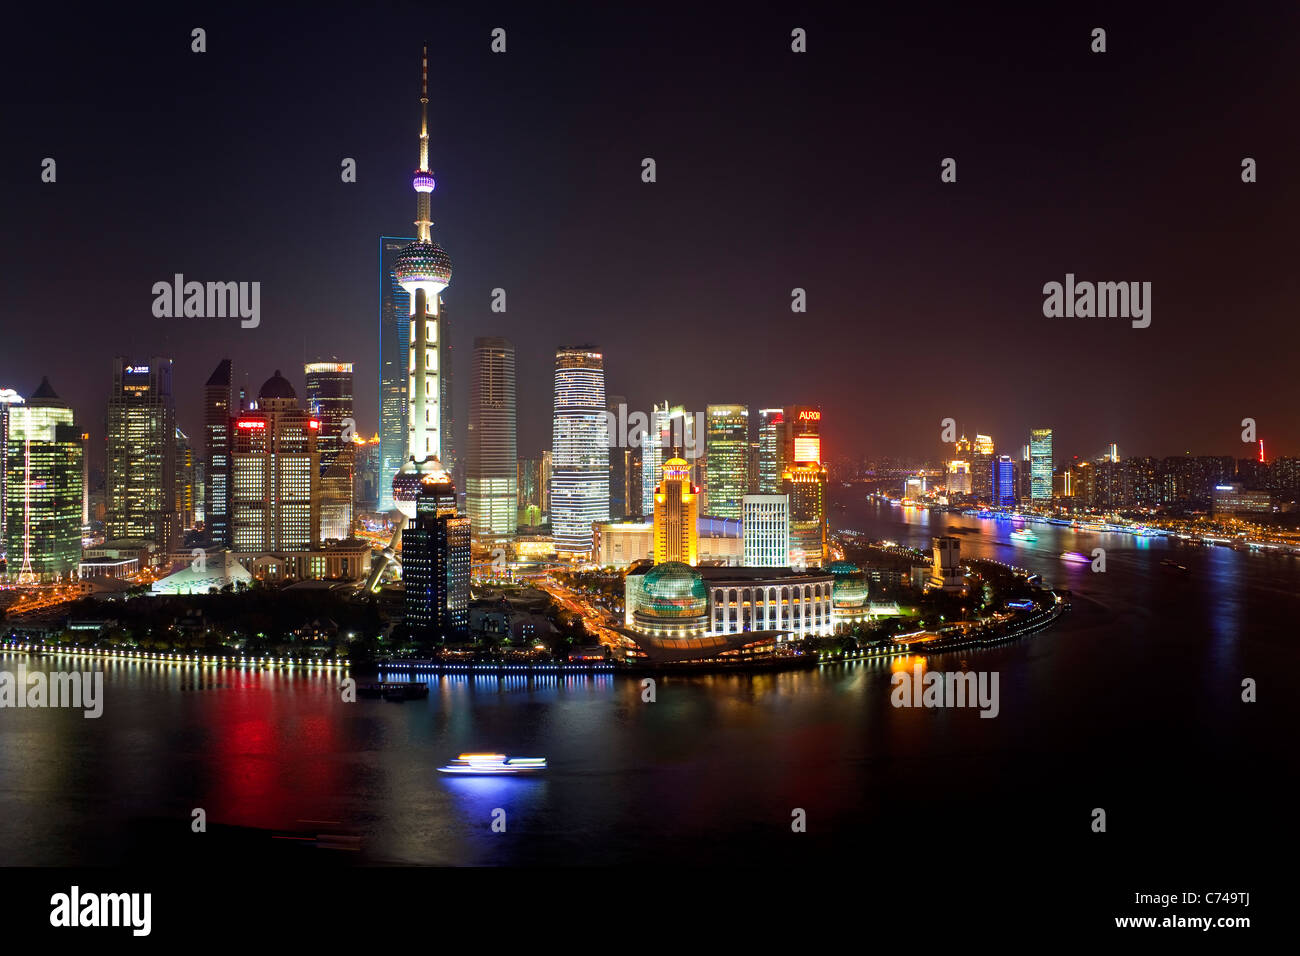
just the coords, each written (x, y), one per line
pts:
(673, 590)
(849, 590)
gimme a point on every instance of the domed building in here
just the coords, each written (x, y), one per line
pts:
(676, 613)
(277, 387)
(848, 592)
(673, 601)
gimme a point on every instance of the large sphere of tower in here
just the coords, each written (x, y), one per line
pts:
(406, 487)
(423, 265)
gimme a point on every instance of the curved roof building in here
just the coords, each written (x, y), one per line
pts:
(673, 601)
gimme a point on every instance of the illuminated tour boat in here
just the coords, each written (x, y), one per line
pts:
(493, 764)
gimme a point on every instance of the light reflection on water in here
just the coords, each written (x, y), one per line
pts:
(1136, 690)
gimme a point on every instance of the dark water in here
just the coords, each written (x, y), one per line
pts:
(1130, 703)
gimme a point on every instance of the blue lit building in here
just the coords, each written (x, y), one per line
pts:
(1003, 482)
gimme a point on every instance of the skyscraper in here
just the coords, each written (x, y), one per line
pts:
(8, 398)
(672, 434)
(803, 430)
(1040, 465)
(217, 413)
(771, 433)
(492, 493)
(44, 482)
(805, 487)
(394, 341)
(1003, 493)
(727, 451)
(275, 473)
(365, 483)
(620, 461)
(141, 446)
(435, 561)
(765, 529)
(580, 450)
(652, 457)
(184, 481)
(423, 269)
(982, 468)
(329, 401)
(676, 515)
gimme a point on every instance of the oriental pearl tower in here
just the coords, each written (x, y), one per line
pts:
(423, 269)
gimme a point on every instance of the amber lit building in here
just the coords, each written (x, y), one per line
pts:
(676, 532)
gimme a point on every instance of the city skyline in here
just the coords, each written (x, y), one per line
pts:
(493, 214)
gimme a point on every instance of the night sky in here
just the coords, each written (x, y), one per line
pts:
(775, 170)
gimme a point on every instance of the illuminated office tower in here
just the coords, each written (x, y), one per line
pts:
(185, 485)
(957, 477)
(275, 473)
(436, 560)
(366, 485)
(580, 451)
(218, 410)
(805, 486)
(492, 490)
(727, 450)
(676, 515)
(802, 439)
(1003, 493)
(140, 479)
(765, 530)
(8, 398)
(44, 481)
(672, 434)
(394, 340)
(771, 444)
(1040, 465)
(982, 468)
(620, 460)
(652, 457)
(329, 401)
(548, 460)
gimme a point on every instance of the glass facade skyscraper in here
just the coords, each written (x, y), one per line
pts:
(44, 482)
(1003, 472)
(491, 462)
(727, 458)
(436, 561)
(217, 413)
(580, 451)
(329, 401)
(8, 398)
(140, 431)
(1040, 465)
(771, 429)
(394, 334)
